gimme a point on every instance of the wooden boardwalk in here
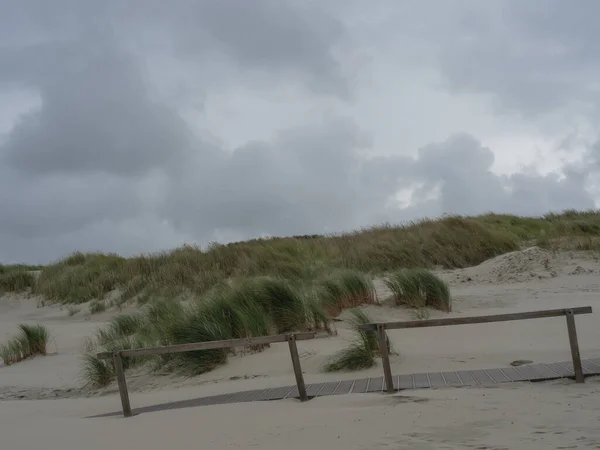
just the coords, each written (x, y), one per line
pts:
(530, 372)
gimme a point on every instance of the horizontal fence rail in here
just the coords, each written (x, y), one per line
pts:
(477, 319)
(379, 328)
(569, 313)
(290, 338)
(210, 345)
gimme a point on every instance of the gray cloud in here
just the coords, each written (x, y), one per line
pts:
(107, 161)
(95, 115)
(533, 56)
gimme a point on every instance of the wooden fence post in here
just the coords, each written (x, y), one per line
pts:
(385, 359)
(118, 361)
(297, 367)
(579, 378)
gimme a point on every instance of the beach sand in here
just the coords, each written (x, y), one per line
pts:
(42, 403)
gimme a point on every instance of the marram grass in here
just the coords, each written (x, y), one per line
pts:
(419, 288)
(250, 308)
(361, 352)
(30, 341)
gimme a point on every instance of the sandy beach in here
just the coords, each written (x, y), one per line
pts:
(43, 403)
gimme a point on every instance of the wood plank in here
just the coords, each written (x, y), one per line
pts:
(436, 380)
(122, 382)
(421, 381)
(291, 339)
(196, 346)
(513, 374)
(293, 393)
(406, 382)
(344, 387)
(285, 391)
(195, 402)
(360, 386)
(313, 389)
(329, 388)
(574, 344)
(385, 358)
(269, 394)
(467, 378)
(237, 397)
(478, 319)
(253, 395)
(497, 375)
(375, 385)
(219, 399)
(482, 377)
(545, 372)
(588, 367)
(452, 379)
(568, 365)
(529, 373)
(594, 363)
(560, 370)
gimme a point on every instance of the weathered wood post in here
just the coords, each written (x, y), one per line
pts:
(385, 359)
(291, 338)
(120, 372)
(572, 330)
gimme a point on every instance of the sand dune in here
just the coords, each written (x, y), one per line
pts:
(548, 415)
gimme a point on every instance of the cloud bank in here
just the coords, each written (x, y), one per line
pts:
(133, 129)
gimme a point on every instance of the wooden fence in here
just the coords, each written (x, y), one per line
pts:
(380, 329)
(291, 339)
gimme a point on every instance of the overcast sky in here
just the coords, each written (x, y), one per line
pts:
(139, 125)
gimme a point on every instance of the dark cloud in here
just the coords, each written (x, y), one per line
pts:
(532, 56)
(95, 114)
(306, 180)
(107, 162)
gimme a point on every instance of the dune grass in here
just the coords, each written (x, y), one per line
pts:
(97, 306)
(250, 307)
(361, 352)
(419, 288)
(345, 289)
(449, 242)
(30, 341)
(16, 281)
(267, 286)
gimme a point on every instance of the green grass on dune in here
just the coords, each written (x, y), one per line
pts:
(419, 288)
(450, 242)
(269, 286)
(30, 341)
(250, 307)
(16, 281)
(361, 353)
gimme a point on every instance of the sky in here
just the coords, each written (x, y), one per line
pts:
(135, 126)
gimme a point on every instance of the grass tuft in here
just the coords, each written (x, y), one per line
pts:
(16, 281)
(346, 289)
(361, 353)
(30, 341)
(97, 306)
(72, 310)
(98, 372)
(419, 288)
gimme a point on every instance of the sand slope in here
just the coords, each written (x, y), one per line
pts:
(520, 416)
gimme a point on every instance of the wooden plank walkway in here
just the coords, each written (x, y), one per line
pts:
(530, 372)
